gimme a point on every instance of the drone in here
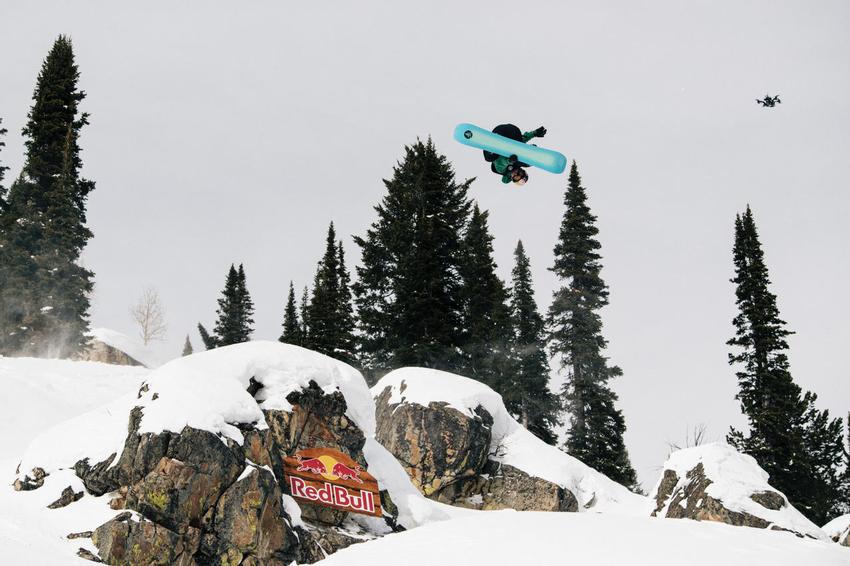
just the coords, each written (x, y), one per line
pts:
(769, 101)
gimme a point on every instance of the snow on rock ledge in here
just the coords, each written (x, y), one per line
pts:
(113, 347)
(714, 482)
(418, 409)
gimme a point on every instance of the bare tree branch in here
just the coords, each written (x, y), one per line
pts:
(149, 314)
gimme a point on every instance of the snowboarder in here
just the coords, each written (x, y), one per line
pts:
(769, 101)
(509, 167)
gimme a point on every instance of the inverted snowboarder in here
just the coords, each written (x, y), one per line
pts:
(769, 101)
(508, 152)
(510, 168)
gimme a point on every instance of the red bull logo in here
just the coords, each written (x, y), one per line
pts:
(322, 476)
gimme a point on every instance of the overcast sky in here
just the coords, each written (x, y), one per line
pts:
(235, 132)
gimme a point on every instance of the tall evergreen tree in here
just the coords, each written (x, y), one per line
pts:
(187, 347)
(528, 396)
(485, 316)
(575, 339)
(325, 300)
(304, 313)
(291, 325)
(44, 292)
(845, 478)
(799, 446)
(3, 169)
(330, 314)
(235, 309)
(346, 346)
(408, 289)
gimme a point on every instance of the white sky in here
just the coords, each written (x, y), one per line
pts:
(228, 132)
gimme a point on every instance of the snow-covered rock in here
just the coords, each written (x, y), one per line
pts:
(201, 426)
(839, 529)
(419, 408)
(113, 347)
(714, 482)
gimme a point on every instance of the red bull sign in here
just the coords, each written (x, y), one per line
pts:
(323, 476)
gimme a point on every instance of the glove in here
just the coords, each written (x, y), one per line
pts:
(540, 132)
(512, 158)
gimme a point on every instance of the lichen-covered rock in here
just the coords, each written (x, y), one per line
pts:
(250, 523)
(501, 486)
(446, 453)
(67, 497)
(437, 445)
(713, 482)
(29, 483)
(124, 540)
(317, 420)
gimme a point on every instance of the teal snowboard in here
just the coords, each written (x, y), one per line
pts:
(546, 159)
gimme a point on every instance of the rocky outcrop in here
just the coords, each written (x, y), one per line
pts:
(447, 455)
(689, 500)
(715, 483)
(98, 351)
(199, 498)
(67, 497)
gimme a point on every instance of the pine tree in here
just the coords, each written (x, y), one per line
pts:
(346, 347)
(44, 292)
(330, 311)
(325, 300)
(845, 478)
(795, 443)
(291, 325)
(235, 308)
(485, 315)
(304, 312)
(187, 347)
(408, 289)
(528, 396)
(2, 169)
(208, 340)
(596, 425)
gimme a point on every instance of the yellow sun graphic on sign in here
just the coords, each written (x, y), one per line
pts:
(329, 463)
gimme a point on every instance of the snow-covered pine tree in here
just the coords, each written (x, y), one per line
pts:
(291, 326)
(528, 396)
(788, 436)
(576, 341)
(44, 291)
(486, 325)
(187, 347)
(408, 289)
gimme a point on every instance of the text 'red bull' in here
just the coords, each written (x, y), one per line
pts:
(330, 494)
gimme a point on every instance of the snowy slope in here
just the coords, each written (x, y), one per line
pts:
(734, 478)
(509, 538)
(129, 346)
(37, 395)
(512, 443)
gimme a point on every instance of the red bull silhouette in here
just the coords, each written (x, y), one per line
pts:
(313, 465)
(343, 472)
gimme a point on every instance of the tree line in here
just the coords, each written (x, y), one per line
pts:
(426, 294)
